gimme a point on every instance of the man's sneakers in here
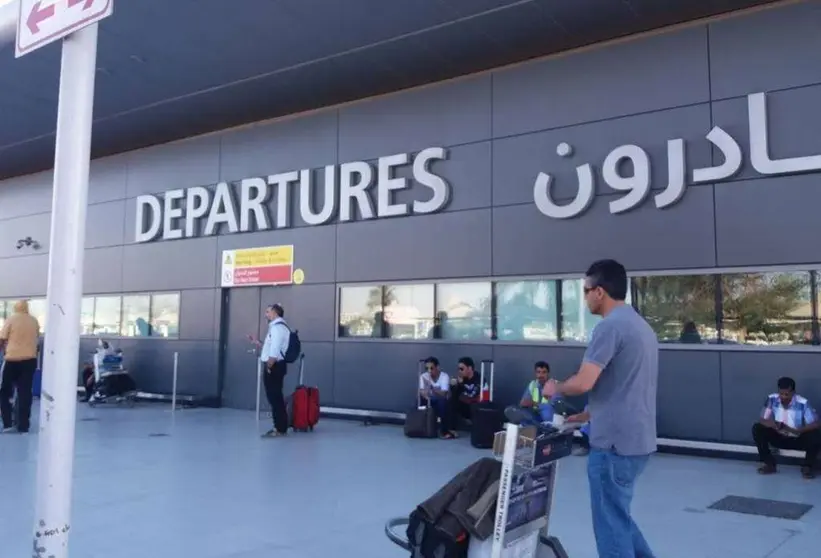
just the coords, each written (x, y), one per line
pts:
(273, 433)
(13, 430)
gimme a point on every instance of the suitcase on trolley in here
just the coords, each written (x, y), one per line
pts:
(421, 422)
(487, 418)
(304, 411)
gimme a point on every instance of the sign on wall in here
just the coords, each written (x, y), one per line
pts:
(356, 191)
(272, 265)
(637, 187)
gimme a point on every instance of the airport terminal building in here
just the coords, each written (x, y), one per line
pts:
(457, 219)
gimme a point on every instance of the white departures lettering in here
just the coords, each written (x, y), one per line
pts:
(638, 185)
(345, 192)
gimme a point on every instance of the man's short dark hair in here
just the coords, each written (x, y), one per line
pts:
(611, 276)
(432, 360)
(467, 361)
(786, 383)
(278, 310)
(542, 364)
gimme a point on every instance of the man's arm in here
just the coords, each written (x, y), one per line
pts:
(810, 420)
(767, 415)
(277, 340)
(600, 351)
(442, 391)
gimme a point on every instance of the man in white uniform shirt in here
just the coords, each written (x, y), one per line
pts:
(273, 357)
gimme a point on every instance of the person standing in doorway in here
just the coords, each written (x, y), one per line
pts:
(620, 372)
(19, 337)
(272, 356)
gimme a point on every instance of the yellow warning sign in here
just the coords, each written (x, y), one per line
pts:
(258, 257)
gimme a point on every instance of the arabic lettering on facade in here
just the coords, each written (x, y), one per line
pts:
(637, 187)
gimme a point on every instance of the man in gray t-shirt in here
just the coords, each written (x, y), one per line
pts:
(620, 372)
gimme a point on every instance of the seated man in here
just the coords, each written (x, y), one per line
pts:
(534, 408)
(465, 391)
(434, 390)
(787, 422)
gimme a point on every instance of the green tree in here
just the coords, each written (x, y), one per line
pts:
(670, 302)
(766, 302)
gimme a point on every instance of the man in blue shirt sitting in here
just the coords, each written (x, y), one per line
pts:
(787, 421)
(534, 408)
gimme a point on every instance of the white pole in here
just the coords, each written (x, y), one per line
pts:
(174, 385)
(52, 520)
(259, 386)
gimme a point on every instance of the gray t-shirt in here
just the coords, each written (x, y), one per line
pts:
(623, 401)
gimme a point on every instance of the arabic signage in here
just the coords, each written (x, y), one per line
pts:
(637, 187)
(272, 265)
(356, 191)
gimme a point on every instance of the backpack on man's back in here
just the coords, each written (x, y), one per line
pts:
(294, 349)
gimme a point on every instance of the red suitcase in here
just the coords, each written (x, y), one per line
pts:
(304, 403)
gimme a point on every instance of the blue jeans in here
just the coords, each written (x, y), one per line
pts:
(612, 481)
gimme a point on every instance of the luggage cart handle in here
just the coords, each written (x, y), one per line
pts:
(394, 536)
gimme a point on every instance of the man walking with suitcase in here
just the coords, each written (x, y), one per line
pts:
(19, 337)
(272, 356)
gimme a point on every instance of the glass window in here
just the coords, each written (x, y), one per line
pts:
(37, 308)
(766, 308)
(136, 316)
(107, 315)
(577, 321)
(360, 311)
(463, 310)
(2, 312)
(165, 315)
(409, 311)
(681, 309)
(526, 311)
(87, 316)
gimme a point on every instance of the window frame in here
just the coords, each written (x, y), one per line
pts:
(559, 279)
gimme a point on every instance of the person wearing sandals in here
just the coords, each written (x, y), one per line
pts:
(787, 421)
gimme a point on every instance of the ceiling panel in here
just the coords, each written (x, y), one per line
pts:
(171, 69)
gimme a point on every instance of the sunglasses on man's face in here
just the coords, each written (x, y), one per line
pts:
(429, 368)
(588, 290)
(462, 369)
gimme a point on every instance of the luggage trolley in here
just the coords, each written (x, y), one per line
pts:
(529, 457)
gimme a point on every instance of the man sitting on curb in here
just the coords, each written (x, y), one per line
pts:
(464, 392)
(787, 422)
(434, 389)
(534, 408)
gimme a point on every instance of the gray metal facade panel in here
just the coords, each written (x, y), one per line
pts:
(315, 249)
(689, 395)
(453, 244)
(659, 72)
(107, 179)
(165, 266)
(290, 144)
(748, 378)
(467, 171)
(105, 224)
(193, 162)
(38, 227)
(526, 242)
(518, 160)
(441, 115)
(766, 51)
(26, 195)
(311, 309)
(24, 276)
(768, 221)
(102, 270)
(197, 314)
(793, 124)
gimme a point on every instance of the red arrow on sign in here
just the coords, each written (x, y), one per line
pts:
(72, 3)
(38, 16)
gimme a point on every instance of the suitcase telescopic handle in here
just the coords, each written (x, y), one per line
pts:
(419, 371)
(491, 365)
